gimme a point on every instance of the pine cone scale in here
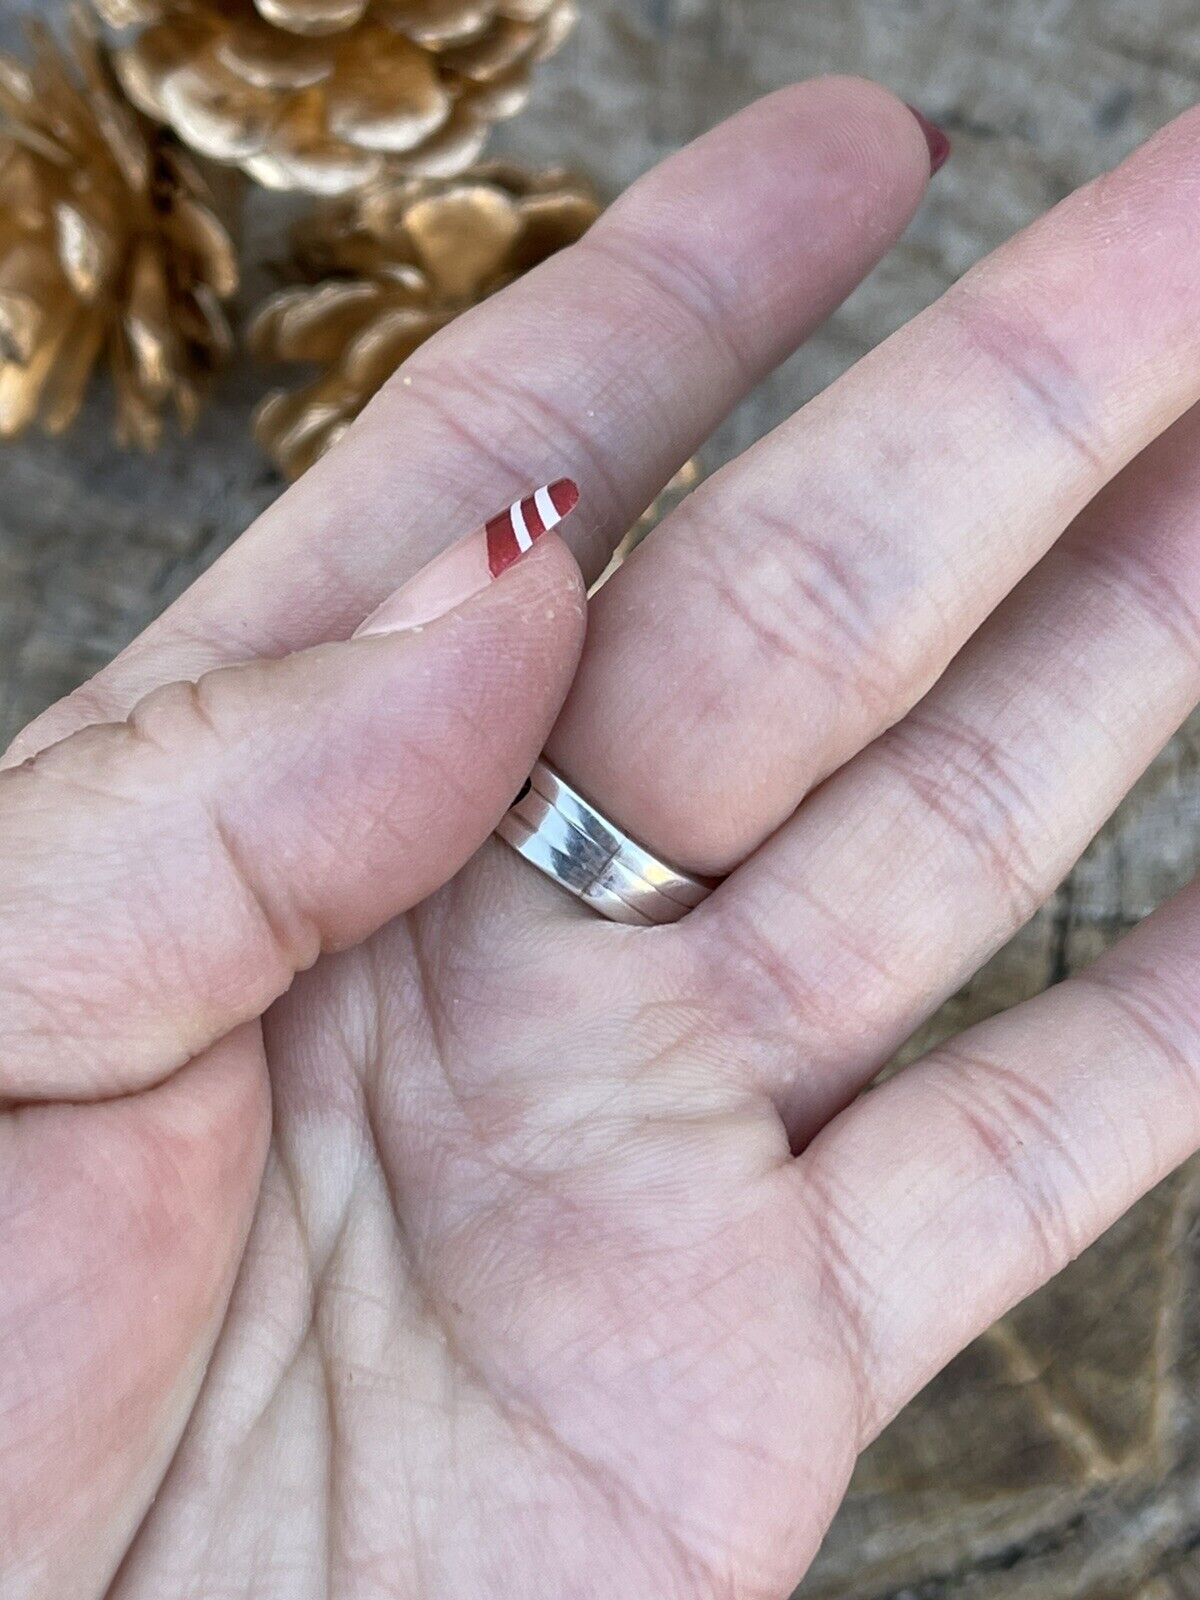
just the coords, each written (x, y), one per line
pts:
(464, 236)
(559, 25)
(87, 248)
(313, 17)
(305, 325)
(70, 373)
(503, 47)
(296, 160)
(526, 10)
(25, 264)
(255, 55)
(454, 148)
(214, 111)
(438, 24)
(149, 326)
(129, 13)
(387, 101)
(25, 385)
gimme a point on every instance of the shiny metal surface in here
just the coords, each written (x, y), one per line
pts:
(565, 837)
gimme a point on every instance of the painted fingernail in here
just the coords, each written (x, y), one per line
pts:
(466, 568)
(936, 138)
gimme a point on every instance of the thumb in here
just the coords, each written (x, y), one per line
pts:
(164, 879)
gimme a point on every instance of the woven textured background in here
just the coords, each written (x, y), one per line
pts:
(1060, 1457)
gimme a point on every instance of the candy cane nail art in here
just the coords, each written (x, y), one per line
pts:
(468, 567)
(516, 530)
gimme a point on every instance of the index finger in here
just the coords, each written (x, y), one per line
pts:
(611, 364)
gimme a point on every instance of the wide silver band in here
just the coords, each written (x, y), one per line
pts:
(564, 836)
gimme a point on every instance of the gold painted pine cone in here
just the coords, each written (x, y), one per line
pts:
(109, 248)
(386, 269)
(324, 95)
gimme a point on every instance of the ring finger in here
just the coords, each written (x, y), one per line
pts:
(807, 597)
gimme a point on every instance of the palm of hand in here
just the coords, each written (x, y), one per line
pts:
(517, 1299)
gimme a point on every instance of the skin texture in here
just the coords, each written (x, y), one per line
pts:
(366, 1238)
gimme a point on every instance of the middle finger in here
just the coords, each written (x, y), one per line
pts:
(808, 596)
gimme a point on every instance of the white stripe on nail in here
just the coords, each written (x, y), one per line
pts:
(520, 530)
(547, 510)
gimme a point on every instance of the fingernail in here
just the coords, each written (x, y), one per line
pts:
(936, 138)
(466, 568)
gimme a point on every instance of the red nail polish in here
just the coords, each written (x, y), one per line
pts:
(937, 140)
(516, 530)
(468, 567)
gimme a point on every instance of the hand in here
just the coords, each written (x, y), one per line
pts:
(574, 1265)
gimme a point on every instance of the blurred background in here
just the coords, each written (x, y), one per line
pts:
(1060, 1456)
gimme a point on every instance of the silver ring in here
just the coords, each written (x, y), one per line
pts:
(564, 836)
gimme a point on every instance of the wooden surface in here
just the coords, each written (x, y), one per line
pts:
(1060, 1457)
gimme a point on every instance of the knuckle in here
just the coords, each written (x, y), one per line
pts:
(1031, 365)
(818, 995)
(1159, 1014)
(1018, 1147)
(177, 717)
(797, 611)
(761, 989)
(682, 283)
(543, 421)
(971, 783)
(1165, 596)
(135, 760)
